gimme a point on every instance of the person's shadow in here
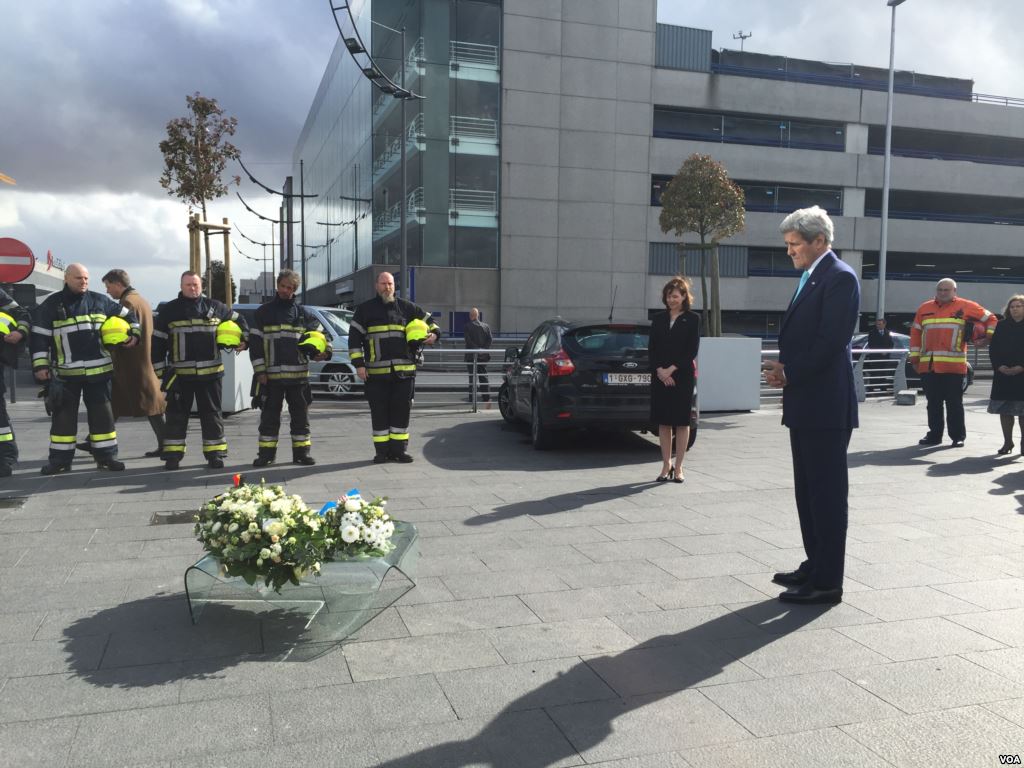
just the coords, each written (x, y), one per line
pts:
(613, 686)
(563, 502)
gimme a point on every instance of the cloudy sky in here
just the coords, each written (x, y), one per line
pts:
(87, 88)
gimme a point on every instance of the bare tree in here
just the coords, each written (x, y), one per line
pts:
(701, 198)
(196, 152)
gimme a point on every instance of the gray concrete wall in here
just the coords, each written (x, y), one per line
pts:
(576, 127)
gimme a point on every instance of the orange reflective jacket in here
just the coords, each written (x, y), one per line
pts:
(938, 342)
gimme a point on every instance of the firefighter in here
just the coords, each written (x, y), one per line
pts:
(942, 329)
(70, 336)
(284, 337)
(14, 322)
(187, 357)
(384, 361)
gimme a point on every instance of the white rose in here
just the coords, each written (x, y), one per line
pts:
(349, 534)
(265, 553)
(216, 527)
(352, 504)
(233, 527)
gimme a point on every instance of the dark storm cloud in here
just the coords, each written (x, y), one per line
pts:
(87, 88)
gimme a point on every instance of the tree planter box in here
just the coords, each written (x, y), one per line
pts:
(729, 374)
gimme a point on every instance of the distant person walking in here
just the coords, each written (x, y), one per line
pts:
(879, 337)
(136, 388)
(478, 336)
(1007, 354)
(675, 337)
(819, 404)
(938, 348)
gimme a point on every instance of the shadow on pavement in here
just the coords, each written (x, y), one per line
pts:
(608, 688)
(490, 445)
(968, 465)
(906, 456)
(563, 502)
(152, 641)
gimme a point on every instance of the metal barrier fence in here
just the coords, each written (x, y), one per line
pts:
(877, 374)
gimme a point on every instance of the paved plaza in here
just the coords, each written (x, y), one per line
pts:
(568, 610)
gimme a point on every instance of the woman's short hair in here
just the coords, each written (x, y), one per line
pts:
(677, 283)
(809, 223)
(1016, 297)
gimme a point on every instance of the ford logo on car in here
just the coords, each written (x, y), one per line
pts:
(629, 365)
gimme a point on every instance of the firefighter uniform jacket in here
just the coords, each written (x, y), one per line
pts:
(376, 338)
(185, 338)
(66, 334)
(274, 341)
(938, 338)
(8, 356)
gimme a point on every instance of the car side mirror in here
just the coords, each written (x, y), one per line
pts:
(511, 354)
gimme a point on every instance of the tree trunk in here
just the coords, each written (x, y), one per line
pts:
(206, 239)
(716, 298)
(704, 288)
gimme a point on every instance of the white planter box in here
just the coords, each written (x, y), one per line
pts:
(729, 374)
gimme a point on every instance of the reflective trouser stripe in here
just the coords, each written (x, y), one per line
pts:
(214, 447)
(381, 438)
(398, 435)
(301, 441)
(62, 442)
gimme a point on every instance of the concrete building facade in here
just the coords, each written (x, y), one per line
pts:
(549, 127)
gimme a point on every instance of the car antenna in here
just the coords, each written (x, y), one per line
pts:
(611, 310)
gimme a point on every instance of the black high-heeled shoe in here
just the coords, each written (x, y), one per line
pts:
(678, 476)
(1007, 447)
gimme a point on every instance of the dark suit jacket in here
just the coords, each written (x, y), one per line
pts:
(814, 345)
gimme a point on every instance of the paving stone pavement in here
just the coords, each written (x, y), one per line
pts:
(568, 610)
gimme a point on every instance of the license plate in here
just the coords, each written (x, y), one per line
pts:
(627, 378)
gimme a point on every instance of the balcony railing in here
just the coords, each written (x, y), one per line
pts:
(472, 127)
(472, 201)
(472, 54)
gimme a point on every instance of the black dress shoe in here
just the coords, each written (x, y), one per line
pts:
(958, 443)
(795, 578)
(808, 595)
(929, 440)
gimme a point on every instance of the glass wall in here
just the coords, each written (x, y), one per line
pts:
(675, 123)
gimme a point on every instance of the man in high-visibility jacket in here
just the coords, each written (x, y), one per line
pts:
(380, 351)
(942, 329)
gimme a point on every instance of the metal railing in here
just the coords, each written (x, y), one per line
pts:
(878, 374)
(472, 200)
(462, 127)
(473, 54)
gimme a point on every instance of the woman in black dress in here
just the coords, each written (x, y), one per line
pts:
(675, 335)
(1006, 351)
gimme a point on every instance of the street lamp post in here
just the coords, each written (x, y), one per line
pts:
(886, 165)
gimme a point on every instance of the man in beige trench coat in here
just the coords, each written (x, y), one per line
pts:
(136, 386)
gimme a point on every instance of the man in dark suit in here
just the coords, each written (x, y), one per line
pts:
(819, 404)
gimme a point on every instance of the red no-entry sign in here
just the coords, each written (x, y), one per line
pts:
(16, 260)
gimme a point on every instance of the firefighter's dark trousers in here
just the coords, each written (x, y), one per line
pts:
(390, 398)
(64, 423)
(8, 446)
(298, 397)
(206, 395)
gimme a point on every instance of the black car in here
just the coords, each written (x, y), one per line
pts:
(570, 375)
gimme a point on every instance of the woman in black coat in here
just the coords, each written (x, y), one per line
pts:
(675, 336)
(1006, 351)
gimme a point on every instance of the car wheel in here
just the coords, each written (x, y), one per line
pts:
(540, 436)
(338, 382)
(505, 404)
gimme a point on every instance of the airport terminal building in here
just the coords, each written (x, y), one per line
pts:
(547, 129)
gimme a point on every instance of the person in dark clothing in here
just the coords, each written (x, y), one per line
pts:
(1007, 354)
(875, 366)
(379, 350)
(282, 370)
(11, 338)
(675, 337)
(66, 337)
(478, 336)
(186, 356)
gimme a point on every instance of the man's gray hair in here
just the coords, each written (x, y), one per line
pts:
(946, 281)
(809, 223)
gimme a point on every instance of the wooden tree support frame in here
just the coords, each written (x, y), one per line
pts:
(196, 229)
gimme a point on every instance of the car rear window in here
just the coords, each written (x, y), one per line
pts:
(607, 338)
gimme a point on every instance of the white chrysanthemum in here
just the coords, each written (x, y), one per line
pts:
(246, 536)
(353, 504)
(352, 518)
(275, 527)
(389, 528)
(279, 506)
(349, 534)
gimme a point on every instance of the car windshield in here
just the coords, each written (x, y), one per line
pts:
(337, 321)
(612, 337)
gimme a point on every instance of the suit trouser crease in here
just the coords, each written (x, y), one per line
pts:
(275, 395)
(821, 478)
(945, 391)
(207, 397)
(100, 413)
(390, 399)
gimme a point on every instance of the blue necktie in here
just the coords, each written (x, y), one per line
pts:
(803, 281)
